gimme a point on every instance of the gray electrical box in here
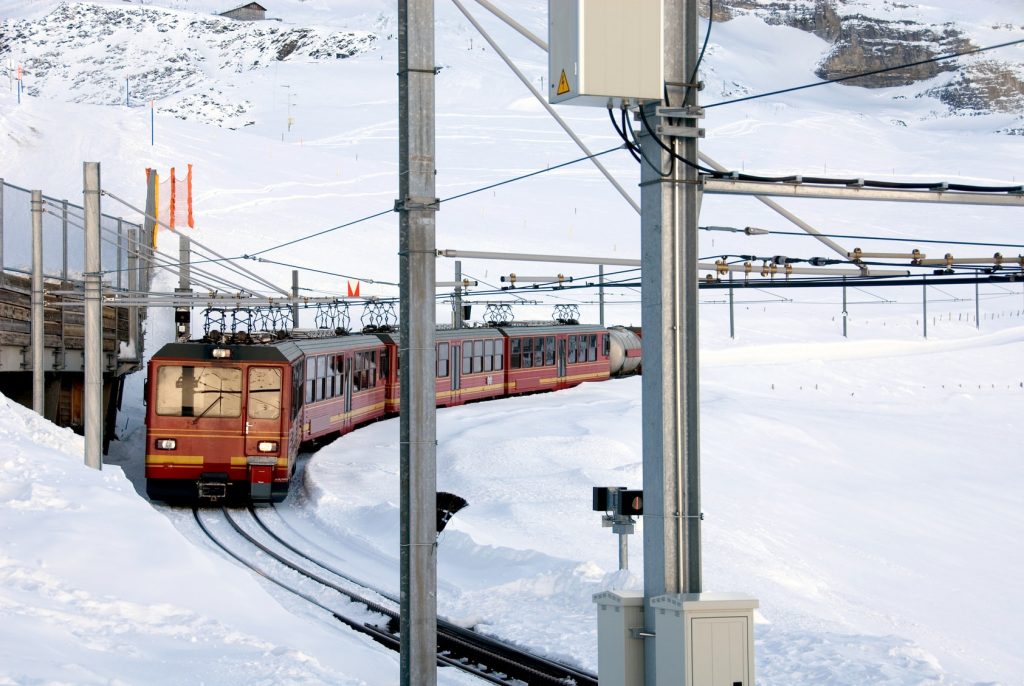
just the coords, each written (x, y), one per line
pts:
(603, 52)
(704, 639)
(620, 654)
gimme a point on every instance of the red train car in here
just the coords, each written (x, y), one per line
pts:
(225, 419)
(551, 358)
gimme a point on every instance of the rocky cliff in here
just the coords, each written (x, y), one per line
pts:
(870, 36)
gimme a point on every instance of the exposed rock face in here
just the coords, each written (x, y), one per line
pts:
(865, 44)
(862, 43)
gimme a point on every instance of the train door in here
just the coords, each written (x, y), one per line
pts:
(456, 369)
(264, 391)
(348, 386)
(561, 358)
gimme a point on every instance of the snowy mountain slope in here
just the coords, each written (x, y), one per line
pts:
(88, 53)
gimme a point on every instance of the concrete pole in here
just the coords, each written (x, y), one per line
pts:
(417, 206)
(600, 293)
(977, 304)
(924, 304)
(295, 298)
(64, 240)
(133, 288)
(732, 316)
(457, 318)
(38, 381)
(845, 313)
(623, 551)
(93, 401)
(670, 207)
(3, 276)
(183, 313)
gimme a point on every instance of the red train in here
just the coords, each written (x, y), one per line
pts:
(226, 415)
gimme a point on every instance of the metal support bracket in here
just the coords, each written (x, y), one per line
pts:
(410, 204)
(679, 131)
(639, 632)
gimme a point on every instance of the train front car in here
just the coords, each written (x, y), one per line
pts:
(220, 421)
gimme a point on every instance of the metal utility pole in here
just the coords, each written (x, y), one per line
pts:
(417, 205)
(295, 298)
(457, 319)
(93, 400)
(38, 381)
(600, 293)
(670, 206)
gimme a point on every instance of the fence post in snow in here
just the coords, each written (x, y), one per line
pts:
(38, 381)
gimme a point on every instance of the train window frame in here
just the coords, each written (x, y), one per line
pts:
(321, 377)
(478, 356)
(467, 357)
(170, 378)
(297, 384)
(514, 353)
(572, 349)
(549, 351)
(488, 359)
(271, 408)
(606, 345)
(527, 352)
(310, 392)
(499, 355)
(442, 358)
(592, 348)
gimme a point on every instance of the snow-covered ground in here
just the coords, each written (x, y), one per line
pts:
(865, 490)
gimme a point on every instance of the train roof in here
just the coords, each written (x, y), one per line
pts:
(552, 329)
(281, 351)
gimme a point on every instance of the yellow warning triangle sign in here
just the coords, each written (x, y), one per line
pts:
(563, 84)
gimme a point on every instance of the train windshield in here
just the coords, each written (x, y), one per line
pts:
(264, 393)
(185, 391)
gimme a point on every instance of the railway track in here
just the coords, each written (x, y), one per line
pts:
(487, 658)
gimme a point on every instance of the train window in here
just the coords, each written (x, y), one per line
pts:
(467, 357)
(514, 353)
(527, 353)
(549, 350)
(310, 379)
(442, 360)
(385, 364)
(606, 344)
(264, 393)
(499, 354)
(538, 352)
(488, 355)
(478, 354)
(572, 349)
(337, 365)
(371, 371)
(592, 347)
(321, 377)
(185, 391)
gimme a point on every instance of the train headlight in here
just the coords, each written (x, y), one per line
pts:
(166, 444)
(267, 446)
(221, 353)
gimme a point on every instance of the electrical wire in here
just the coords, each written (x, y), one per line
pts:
(875, 238)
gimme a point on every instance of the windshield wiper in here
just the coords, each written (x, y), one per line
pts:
(209, 407)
